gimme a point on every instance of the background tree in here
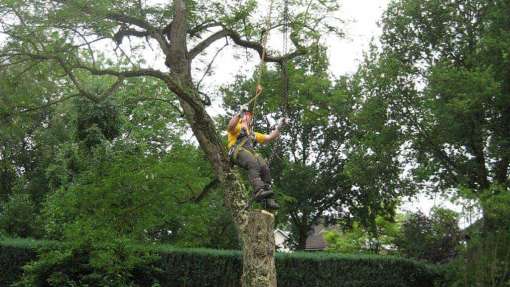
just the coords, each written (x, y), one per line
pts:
(336, 158)
(434, 238)
(443, 71)
(448, 88)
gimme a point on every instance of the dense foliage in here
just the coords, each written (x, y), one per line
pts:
(435, 238)
(95, 146)
(202, 267)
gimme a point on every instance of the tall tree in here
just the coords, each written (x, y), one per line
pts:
(442, 71)
(66, 34)
(336, 159)
(307, 163)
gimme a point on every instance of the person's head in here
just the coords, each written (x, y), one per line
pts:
(246, 116)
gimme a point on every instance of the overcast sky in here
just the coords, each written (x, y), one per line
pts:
(361, 17)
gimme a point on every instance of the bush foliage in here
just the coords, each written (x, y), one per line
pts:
(206, 267)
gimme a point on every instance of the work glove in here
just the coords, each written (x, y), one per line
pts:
(282, 122)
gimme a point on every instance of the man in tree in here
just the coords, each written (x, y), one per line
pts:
(241, 142)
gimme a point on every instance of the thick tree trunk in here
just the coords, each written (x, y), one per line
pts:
(302, 236)
(259, 248)
(255, 227)
(256, 233)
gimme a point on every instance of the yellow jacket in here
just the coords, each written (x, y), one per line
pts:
(232, 135)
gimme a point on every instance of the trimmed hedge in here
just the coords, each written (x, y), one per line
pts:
(14, 253)
(218, 268)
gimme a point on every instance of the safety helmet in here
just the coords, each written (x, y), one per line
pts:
(246, 110)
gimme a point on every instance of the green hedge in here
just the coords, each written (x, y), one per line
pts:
(205, 267)
(13, 255)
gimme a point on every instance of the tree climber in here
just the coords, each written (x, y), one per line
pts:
(241, 142)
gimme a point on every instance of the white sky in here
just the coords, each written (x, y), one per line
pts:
(345, 54)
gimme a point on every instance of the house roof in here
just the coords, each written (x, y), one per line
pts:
(316, 240)
(281, 232)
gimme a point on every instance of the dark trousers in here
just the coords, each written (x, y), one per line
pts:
(258, 170)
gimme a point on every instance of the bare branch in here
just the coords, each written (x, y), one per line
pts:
(206, 43)
(210, 65)
(236, 37)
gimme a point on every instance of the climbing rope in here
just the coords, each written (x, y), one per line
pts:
(285, 73)
(262, 64)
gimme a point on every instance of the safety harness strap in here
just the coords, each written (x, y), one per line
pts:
(238, 146)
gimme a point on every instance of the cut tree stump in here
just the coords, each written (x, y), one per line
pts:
(259, 249)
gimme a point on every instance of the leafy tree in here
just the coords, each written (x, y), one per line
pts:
(17, 216)
(483, 258)
(447, 79)
(435, 238)
(334, 160)
(357, 239)
(64, 33)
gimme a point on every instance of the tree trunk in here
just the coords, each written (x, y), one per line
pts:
(255, 227)
(256, 233)
(259, 248)
(303, 230)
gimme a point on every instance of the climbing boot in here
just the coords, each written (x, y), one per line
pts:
(262, 194)
(271, 204)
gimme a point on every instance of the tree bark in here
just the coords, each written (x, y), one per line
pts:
(259, 248)
(256, 234)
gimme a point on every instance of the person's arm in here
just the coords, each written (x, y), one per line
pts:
(272, 136)
(233, 122)
(276, 132)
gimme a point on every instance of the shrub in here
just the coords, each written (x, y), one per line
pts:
(17, 216)
(205, 267)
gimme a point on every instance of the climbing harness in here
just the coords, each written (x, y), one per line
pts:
(241, 140)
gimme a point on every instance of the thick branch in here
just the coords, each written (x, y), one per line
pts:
(236, 37)
(210, 186)
(202, 27)
(117, 37)
(131, 20)
(75, 81)
(206, 43)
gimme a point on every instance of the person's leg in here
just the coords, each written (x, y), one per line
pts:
(248, 161)
(265, 173)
